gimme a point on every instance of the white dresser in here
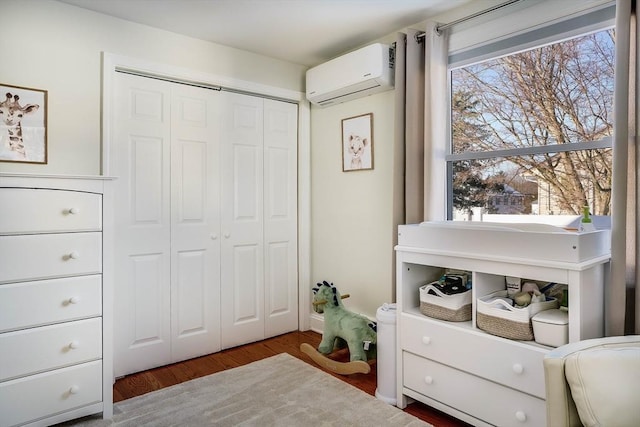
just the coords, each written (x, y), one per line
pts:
(55, 299)
(460, 369)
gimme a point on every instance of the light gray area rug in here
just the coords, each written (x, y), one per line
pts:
(278, 391)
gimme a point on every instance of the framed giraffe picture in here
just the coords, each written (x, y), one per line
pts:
(23, 124)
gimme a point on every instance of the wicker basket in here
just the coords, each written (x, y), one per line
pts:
(453, 308)
(499, 318)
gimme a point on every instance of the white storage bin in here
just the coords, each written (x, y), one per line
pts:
(551, 327)
(497, 317)
(453, 308)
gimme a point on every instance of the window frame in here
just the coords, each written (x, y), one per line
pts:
(599, 19)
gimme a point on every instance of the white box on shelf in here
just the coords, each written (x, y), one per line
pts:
(551, 327)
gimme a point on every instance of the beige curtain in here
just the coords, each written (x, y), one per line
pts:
(622, 297)
(437, 122)
(409, 119)
(422, 121)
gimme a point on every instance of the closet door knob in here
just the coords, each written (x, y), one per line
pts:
(74, 211)
(74, 255)
(213, 236)
(428, 379)
(518, 368)
(227, 235)
(426, 340)
(74, 300)
(74, 389)
(74, 345)
(521, 416)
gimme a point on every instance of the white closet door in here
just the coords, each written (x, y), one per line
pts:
(195, 223)
(280, 217)
(242, 282)
(140, 154)
(165, 155)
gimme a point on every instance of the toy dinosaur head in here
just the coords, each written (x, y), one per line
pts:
(325, 294)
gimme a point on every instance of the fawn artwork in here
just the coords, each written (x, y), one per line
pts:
(357, 143)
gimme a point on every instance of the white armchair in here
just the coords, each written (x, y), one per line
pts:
(594, 382)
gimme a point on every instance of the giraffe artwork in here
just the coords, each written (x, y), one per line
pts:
(16, 143)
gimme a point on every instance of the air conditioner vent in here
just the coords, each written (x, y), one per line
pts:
(360, 73)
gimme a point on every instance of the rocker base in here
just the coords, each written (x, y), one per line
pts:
(342, 368)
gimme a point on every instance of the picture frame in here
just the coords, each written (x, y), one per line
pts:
(23, 124)
(357, 143)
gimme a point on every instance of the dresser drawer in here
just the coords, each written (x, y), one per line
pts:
(512, 363)
(28, 304)
(41, 256)
(40, 395)
(486, 400)
(49, 211)
(33, 350)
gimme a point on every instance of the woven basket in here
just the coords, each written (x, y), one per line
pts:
(453, 308)
(499, 318)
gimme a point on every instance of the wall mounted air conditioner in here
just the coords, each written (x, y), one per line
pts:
(360, 73)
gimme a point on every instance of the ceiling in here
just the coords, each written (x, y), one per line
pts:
(306, 32)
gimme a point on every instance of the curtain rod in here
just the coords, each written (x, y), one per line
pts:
(441, 27)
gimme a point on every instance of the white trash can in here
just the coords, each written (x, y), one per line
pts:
(386, 353)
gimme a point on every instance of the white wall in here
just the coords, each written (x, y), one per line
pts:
(57, 47)
(351, 212)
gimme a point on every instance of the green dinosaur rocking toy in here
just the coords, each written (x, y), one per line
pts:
(341, 326)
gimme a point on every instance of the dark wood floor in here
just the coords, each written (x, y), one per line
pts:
(165, 376)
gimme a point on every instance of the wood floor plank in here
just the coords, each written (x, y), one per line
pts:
(154, 379)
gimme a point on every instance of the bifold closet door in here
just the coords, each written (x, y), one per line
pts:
(259, 219)
(280, 217)
(167, 248)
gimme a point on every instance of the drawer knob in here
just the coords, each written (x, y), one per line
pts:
(521, 416)
(74, 211)
(74, 389)
(518, 368)
(74, 300)
(214, 236)
(227, 235)
(428, 379)
(74, 255)
(74, 345)
(426, 340)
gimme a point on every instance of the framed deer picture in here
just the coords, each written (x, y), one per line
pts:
(23, 124)
(357, 143)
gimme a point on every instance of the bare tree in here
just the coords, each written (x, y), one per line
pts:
(557, 94)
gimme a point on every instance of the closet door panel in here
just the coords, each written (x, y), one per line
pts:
(195, 224)
(140, 155)
(280, 217)
(242, 306)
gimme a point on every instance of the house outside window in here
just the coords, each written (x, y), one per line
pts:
(531, 129)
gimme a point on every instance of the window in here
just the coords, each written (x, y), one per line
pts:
(534, 127)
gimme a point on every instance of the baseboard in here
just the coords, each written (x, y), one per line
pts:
(316, 322)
